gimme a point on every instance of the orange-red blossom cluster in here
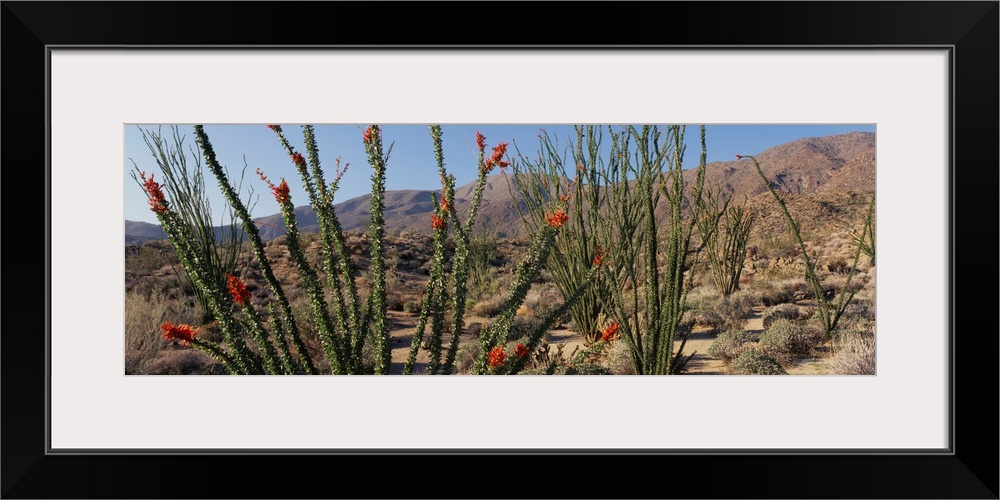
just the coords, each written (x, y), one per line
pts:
(610, 333)
(557, 219)
(157, 201)
(184, 333)
(237, 289)
(497, 356)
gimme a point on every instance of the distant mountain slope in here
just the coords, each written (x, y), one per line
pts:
(137, 232)
(824, 166)
(807, 166)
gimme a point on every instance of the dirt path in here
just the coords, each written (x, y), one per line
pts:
(701, 363)
(701, 338)
(401, 331)
(812, 365)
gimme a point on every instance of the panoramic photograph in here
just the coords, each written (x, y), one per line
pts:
(496, 249)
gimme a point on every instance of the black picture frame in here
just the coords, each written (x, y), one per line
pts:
(969, 470)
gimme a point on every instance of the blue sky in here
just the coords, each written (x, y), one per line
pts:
(411, 165)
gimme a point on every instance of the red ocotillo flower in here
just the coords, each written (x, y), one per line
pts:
(480, 141)
(183, 333)
(496, 159)
(497, 356)
(281, 193)
(610, 333)
(237, 289)
(299, 160)
(276, 128)
(438, 223)
(521, 350)
(369, 132)
(157, 201)
(557, 219)
(599, 256)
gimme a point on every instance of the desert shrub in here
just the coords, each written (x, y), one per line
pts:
(780, 311)
(545, 370)
(148, 257)
(754, 362)
(522, 326)
(838, 283)
(701, 298)
(859, 317)
(724, 313)
(729, 313)
(748, 298)
(586, 369)
(854, 355)
(785, 338)
(778, 244)
(772, 296)
(412, 305)
(729, 344)
(689, 319)
(395, 301)
(705, 314)
(544, 300)
(489, 307)
(861, 308)
(745, 299)
(465, 360)
(618, 361)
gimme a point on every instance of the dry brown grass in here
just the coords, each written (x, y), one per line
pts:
(490, 306)
(854, 355)
(143, 337)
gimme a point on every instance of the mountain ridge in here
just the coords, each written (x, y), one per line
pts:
(822, 166)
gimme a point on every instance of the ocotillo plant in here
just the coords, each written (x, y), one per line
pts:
(651, 258)
(343, 333)
(615, 222)
(725, 230)
(828, 311)
(350, 322)
(864, 238)
(441, 287)
(443, 290)
(540, 183)
(186, 188)
(236, 356)
(493, 357)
